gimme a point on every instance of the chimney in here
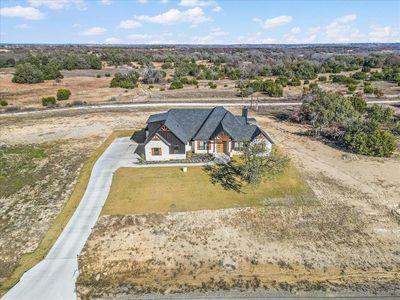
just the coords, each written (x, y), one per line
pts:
(244, 112)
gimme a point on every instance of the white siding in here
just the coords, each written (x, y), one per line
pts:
(156, 144)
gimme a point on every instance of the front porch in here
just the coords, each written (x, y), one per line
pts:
(220, 144)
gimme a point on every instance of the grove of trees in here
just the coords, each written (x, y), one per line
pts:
(349, 122)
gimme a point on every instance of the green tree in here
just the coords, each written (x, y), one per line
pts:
(47, 101)
(63, 94)
(27, 73)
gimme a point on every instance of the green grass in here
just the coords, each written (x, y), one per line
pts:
(31, 259)
(168, 189)
(18, 166)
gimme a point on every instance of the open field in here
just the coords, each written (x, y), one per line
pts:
(153, 190)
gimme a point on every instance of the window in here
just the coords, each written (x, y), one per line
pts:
(237, 146)
(176, 149)
(203, 145)
(156, 151)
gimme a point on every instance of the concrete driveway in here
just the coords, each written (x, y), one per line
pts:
(54, 278)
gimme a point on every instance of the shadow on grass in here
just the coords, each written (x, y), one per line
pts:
(226, 175)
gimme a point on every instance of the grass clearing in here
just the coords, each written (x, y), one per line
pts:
(168, 189)
(31, 259)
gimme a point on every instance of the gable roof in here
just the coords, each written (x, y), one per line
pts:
(202, 124)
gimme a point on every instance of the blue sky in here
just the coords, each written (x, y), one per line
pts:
(198, 21)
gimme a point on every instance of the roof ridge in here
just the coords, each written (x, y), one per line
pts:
(205, 120)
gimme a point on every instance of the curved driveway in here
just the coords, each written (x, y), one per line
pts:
(54, 277)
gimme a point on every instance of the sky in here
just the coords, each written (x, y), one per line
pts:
(199, 21)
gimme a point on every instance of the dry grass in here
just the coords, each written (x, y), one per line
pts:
(168, 189)
(31, 259)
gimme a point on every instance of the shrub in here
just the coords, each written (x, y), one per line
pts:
(176, 85)
(48, 101)
(28, 73)
(212, 85)
(322, 78)
(295, 82)
(98, 76)
(306, 81)
(358, 103)
(351, 87)
(126, 81)
(368, 88)
(107, 74)
(378, 92)
(162, 89)
(377, 142)
(63, 94)
(3, 103)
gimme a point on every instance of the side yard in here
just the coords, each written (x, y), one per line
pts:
(41, 192)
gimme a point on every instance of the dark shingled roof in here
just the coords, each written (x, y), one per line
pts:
(201, 124)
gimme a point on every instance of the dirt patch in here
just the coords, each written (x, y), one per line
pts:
(280, 248)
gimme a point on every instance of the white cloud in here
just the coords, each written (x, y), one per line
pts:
(310, 39)
(255, 38)
(94, 31)
(22, 26)
(193, 3)
(129, 24)
(341, 29)
(291, 39)
(217, 9)
(274, 22)
(295, 30)
(193, 16)
(314, 30)
(217, 32)
(142, 1)
(30, 13)
(163, 1)
(52, 4)
(59, 4)
(162, 38)
(206, 39)
(105, 2)
(112, 40)
(383, 34)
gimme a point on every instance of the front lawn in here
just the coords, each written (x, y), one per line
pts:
(168, 189)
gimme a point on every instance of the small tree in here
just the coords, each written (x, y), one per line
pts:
(63, 94)
(46, 101)
(256, 164)
(3, 103)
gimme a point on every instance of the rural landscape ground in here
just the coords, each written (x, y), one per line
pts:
(328, 226)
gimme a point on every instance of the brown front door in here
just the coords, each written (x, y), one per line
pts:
(220, 147)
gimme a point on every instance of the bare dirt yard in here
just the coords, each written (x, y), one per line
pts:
(346, 243)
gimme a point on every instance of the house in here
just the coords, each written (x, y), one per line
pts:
(171, 135)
